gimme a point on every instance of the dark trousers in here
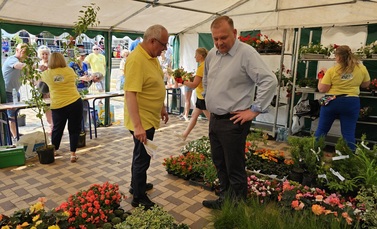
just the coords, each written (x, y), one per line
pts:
(140, 164)
(347, 110)
(72, 113)
(228, 154)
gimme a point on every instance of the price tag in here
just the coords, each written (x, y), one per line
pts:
(337, 174)
(340, 157)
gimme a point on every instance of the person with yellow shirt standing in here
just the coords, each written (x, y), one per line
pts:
(344, 81)
(96, 60)
(144, 106)
(66, 103)
(200, 105)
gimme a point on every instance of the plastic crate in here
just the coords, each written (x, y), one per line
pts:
(11, 156)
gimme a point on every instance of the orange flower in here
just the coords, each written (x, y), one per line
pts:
(318, 209)
(347, 217)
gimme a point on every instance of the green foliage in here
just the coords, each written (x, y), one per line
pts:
(367, 198)
(308, 82)
(29, 76)
(306, 152)
(316, 49)
(155, 217)
(89, 18)
(254, 215)
(346, 168)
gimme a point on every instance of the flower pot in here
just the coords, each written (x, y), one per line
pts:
(308, 179)
(312, 56)
(82, 140)
(178, 80)
(21, 120)
(296, 175)
(46, 155)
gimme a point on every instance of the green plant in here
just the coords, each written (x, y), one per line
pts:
(31, 74)
(317, 49)
(308, 82)
(306, 152)
(365, 159)
(367, 198)
(155, 217)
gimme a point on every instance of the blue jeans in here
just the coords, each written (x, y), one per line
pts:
(347, 110)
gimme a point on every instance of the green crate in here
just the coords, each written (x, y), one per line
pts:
(11, 156)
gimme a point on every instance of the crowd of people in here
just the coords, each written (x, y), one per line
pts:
(224, 83)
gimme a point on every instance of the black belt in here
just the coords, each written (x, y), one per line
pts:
(224, 116)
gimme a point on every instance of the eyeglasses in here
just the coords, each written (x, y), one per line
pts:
(163, 44)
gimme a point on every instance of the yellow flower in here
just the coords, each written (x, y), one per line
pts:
(35, 218)
(5, 227)
(54, 227)
(38, 222)
(36, 207)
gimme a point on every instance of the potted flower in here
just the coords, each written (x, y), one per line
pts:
(316, 51)
(262, 43)
(178, 75)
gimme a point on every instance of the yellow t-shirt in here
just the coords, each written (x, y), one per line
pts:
(144, 76)
(348, 84)
(199, 89)
(62, 85)
(97, 63)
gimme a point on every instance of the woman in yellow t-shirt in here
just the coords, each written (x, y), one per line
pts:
(200, 105)
(344, 81)
(66, 103)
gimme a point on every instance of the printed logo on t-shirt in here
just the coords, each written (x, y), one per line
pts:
(346, 76)
(58, 78)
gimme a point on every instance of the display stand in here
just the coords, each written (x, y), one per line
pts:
(174, 95)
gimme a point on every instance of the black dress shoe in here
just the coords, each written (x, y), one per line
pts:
(143, 201)
(148, 187)
(213, 204)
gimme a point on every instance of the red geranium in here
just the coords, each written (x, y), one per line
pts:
(92, 206)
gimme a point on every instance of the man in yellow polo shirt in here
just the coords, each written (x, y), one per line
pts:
(96, 60)
(144, 106)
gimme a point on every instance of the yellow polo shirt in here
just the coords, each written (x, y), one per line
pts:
(97, 63)
(144, 76)
(348, 84)
(62, 85)
(199, 89)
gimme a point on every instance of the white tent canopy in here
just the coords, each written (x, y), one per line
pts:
(192, 16)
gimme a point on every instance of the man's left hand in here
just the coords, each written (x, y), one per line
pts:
(243, 116)
(164, 115)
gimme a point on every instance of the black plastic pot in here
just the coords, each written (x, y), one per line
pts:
(296, 175)
(46, 155)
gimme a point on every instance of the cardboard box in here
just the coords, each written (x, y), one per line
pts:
(11, 156)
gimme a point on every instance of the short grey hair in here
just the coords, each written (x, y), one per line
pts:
(154, 32)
